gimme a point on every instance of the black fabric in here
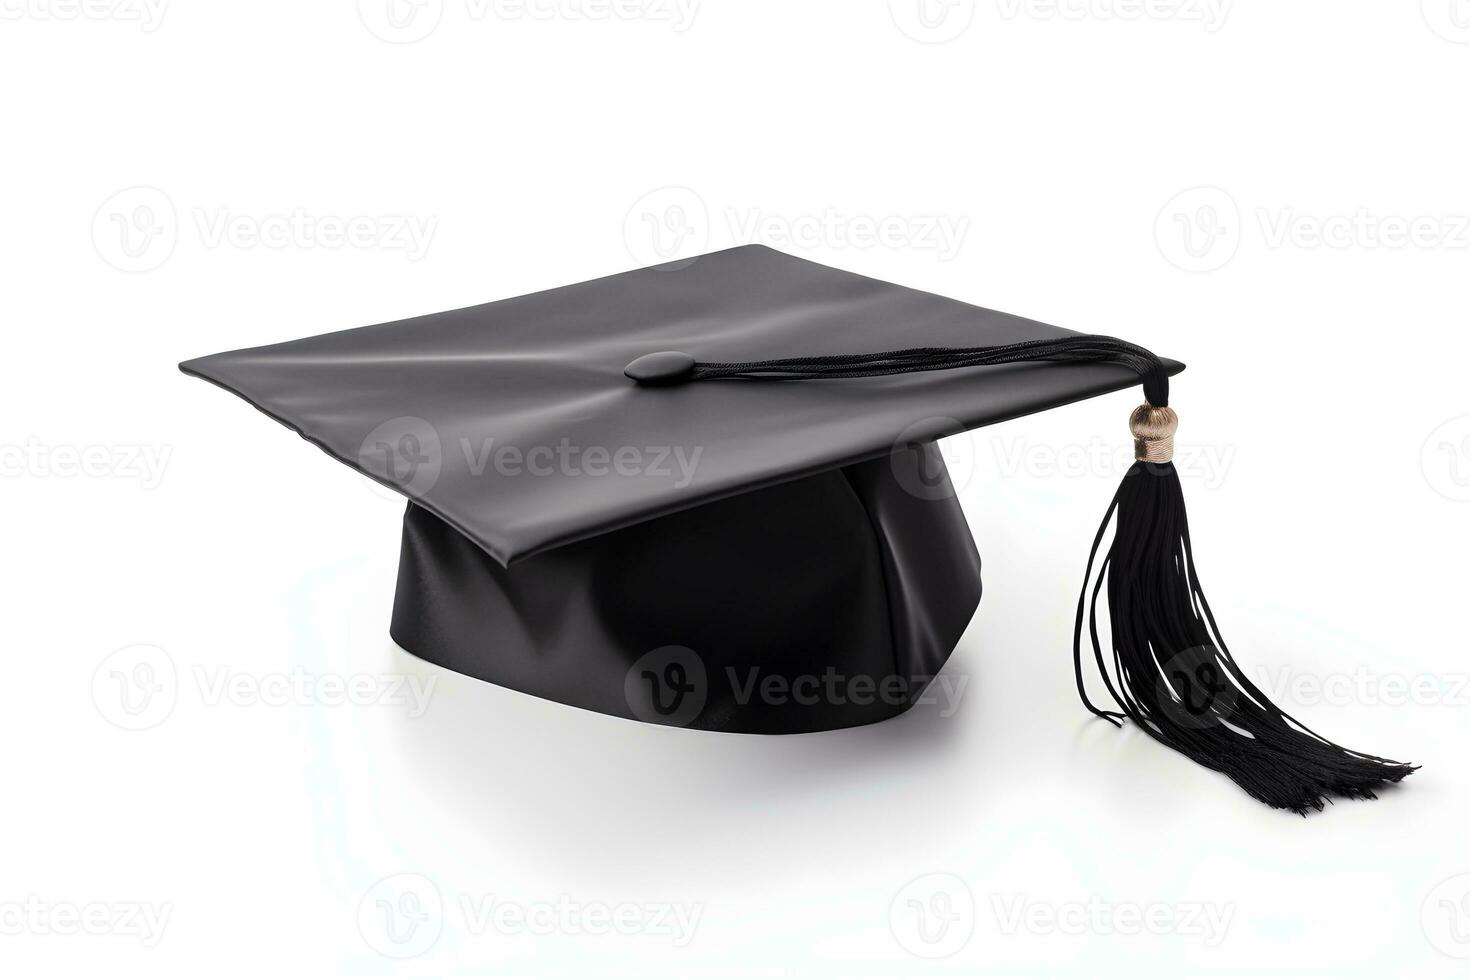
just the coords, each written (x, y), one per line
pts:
(547, 369)
(806, 539)
(821, 603)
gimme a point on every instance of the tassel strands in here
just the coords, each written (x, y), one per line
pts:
(1167, 668)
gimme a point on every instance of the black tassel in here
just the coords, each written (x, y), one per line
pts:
(1171, 674)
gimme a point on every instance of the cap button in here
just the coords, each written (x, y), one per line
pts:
(667, 367)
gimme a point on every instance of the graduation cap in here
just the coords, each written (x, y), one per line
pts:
(707, 494)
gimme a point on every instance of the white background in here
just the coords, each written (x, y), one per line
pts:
(1273, 193)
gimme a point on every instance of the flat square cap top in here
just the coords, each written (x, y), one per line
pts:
(514, 422)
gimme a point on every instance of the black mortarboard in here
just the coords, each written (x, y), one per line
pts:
(707, 494)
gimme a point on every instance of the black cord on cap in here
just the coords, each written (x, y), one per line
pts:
(675, 367)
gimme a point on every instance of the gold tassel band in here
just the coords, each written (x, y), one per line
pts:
(1153, 433)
